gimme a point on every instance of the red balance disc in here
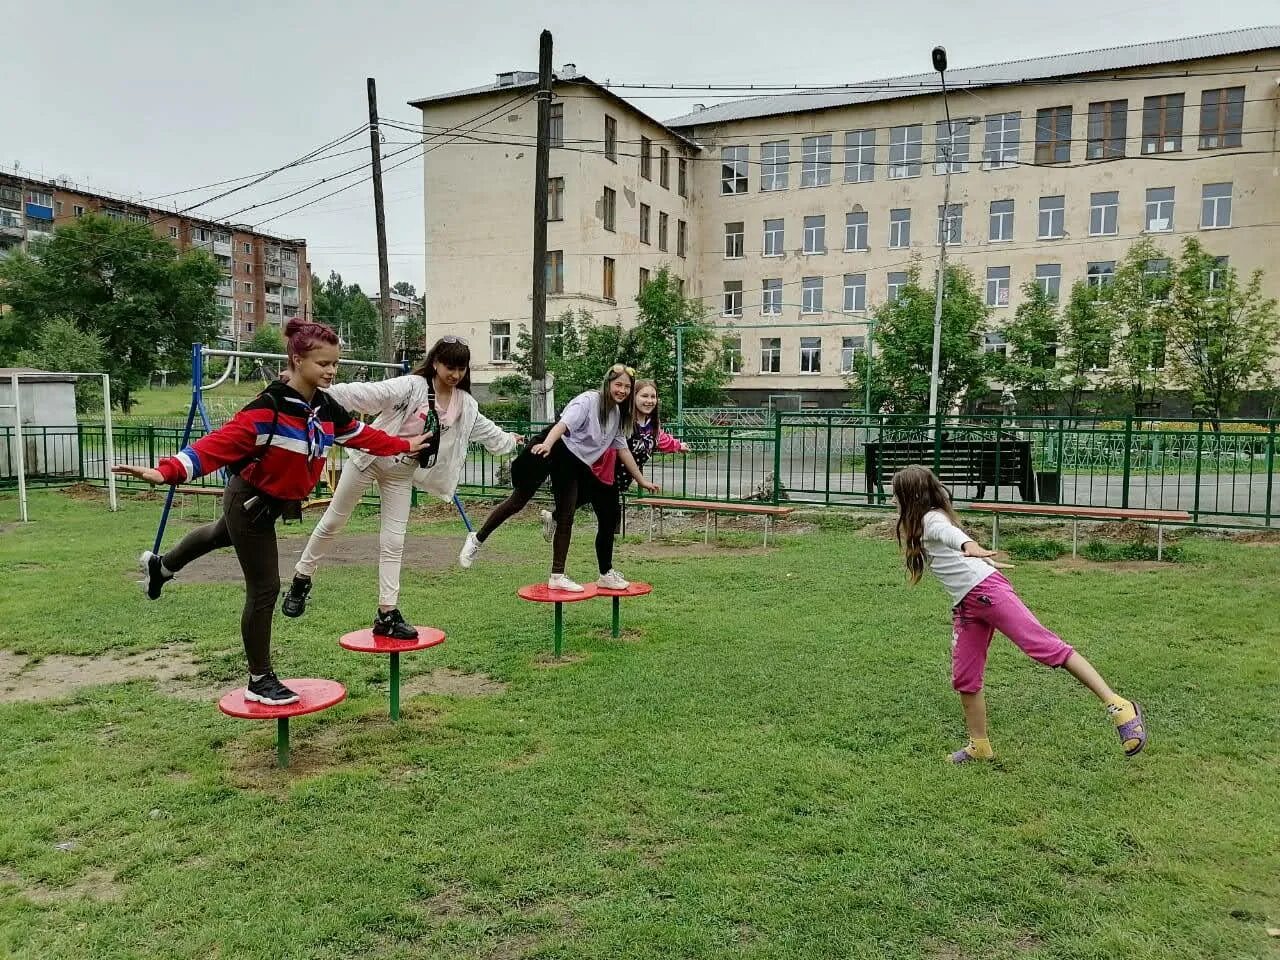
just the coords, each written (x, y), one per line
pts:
(366, 641)
(541, 593)
(636, 589)
(313, 696)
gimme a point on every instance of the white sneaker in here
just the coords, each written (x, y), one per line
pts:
(558, 581)
(548, 525)
(612, 580)
(469, 551)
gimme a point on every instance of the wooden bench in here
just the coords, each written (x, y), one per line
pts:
(712, 509)
(1076, 514)
(985, 463)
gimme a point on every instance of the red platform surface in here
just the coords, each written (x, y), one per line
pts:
(637, 589)
(541, 593)
(365, 641)
(313, 696)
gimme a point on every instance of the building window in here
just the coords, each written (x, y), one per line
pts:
(733, 170)
(771, 297)
(1053, 135)
(1000, 149)
(734, 234)
(1162, 123)
(1221, 118)
(899, 228)
(555, 271)
(608, 290)
(859, 156)
(682, 176)
(1215, 206)
(855, 231)
(997, 286)
(1104, 212)
(1100, 273)
(644, 222)
(644, 278)
(556, 126)
(773, 238)
(815, 234)
(500, 341)
(770, 354)
(246, 308)
(40, 198)
(774, 160)
(1049, 277)
(811, 295)
(850, 347)
(173, 233)
(10, 197)
(905, 150)
(731, 354)
(246, 249)
(897, 280)
(815, 157)
(682, 238)
(1159, 209)
(610, 209)
(662, 231)
(1155, 280)
(555, 198)
(1001, 221)
(664, 168)
(855, 292)
(1218, 274)
(248, 327)
(248, 287)
(951, 224)
(732, 298)
(646, 158)
(810, 354)
(951, 148)
(57, 208)
(1052, 218)
(994, 342)
(77, 210)
(610, 139)
(1108, 126)
(248, 268)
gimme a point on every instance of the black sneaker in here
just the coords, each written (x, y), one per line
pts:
(269, 690)
(295, 601)
(392, 624)
(153, 568)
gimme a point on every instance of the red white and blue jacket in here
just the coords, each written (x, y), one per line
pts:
(291, 466)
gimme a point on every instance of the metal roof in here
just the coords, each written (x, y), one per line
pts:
(992, 75)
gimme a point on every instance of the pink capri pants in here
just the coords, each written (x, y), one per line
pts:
(992, 605)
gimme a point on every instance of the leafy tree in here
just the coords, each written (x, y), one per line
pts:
(117, 280)
(1031, 369)
(61, 345)
(267, 339)
(651, 345)
(344, 307)
(404, 288)
(900, 372)
(1088, 337)
(577, 353)
(1222, 333)
(1129, 305)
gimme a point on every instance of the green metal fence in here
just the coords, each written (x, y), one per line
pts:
(1225, 476)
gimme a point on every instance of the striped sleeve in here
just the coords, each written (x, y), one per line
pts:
(234, 441)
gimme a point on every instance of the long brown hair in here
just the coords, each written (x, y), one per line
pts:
(452, 352)
(626, 409)
(655, 418)
(918, 491)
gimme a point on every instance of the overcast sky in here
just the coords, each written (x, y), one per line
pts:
(145, 97)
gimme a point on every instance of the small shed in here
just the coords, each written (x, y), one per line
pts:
(50, 438)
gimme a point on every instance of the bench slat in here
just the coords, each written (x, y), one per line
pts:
(715, 506)
(1105, 513)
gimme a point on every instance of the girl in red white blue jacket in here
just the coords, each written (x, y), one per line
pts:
(275, 448)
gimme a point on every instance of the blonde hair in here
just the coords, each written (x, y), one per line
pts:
(918, 491)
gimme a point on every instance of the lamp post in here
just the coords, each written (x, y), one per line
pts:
(940, 64)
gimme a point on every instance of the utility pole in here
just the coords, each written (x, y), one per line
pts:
(538, 411)
(940, 64)
(380, 221)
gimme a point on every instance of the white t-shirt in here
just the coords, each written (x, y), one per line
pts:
(943, 542)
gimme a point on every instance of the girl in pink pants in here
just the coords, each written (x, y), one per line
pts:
(930, 535)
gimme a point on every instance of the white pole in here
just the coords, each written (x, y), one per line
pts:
(940, 280)
(109, 451)
(22, 460)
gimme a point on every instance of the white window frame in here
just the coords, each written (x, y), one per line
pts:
(1160, 211)
(811, 295)
(1058, 214)
(1000, 227)
(732, 306)
(855, 293)
(811, 355)
(894, 289)
(850, 347)
(770, 354)
(1043, 280)
(731, 352)
(958, 142)
(1104, 212)
(857, 230)
(815, 161)
(735, 240)
(997, 285)
(906, 151)
(1216, 272)
(1003, 140)
(900, 229)
(954, 225)
(774, 244)
(859, 156)
(733, 170)
(1099, 280)
(815, 235)
(500, 341)
(993, 341)
(771, 297)
(775, 164)
(1211, 207)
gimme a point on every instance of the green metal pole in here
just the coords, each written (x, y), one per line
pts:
(282, 742)
(777, 455)
(1195, 507)
(1128, 457)
(559, 628)
(1271, 460)
(617, 617)
(680, 378)
(871, 350)
(395, 686)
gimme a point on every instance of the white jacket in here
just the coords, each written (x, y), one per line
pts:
(393, 401)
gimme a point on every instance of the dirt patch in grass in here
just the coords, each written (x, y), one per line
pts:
(627, 635)
(85, 492)
(251, 759)
(1258, 538)
(452, 683)
(550, 662)
(99, 886)
(666, 549)
(24, 680)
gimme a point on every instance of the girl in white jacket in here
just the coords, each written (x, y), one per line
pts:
(402, 407)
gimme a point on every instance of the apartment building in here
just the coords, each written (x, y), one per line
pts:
(266, 279)
(806, 211)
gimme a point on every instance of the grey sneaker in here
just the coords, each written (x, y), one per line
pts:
(469, 550)
(612, 580)
(548, 525)
(558, 581)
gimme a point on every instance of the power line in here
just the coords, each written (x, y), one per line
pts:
(249, 176)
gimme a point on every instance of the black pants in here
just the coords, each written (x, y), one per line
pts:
(572, 482)
(253, 534)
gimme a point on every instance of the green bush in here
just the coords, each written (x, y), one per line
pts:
(1034, 548)
(1103, 551)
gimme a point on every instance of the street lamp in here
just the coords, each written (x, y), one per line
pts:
(940, 64)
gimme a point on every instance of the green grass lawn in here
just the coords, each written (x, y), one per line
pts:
(755, 771)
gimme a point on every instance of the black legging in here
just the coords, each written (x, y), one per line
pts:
(572, 482)
(255, 543)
